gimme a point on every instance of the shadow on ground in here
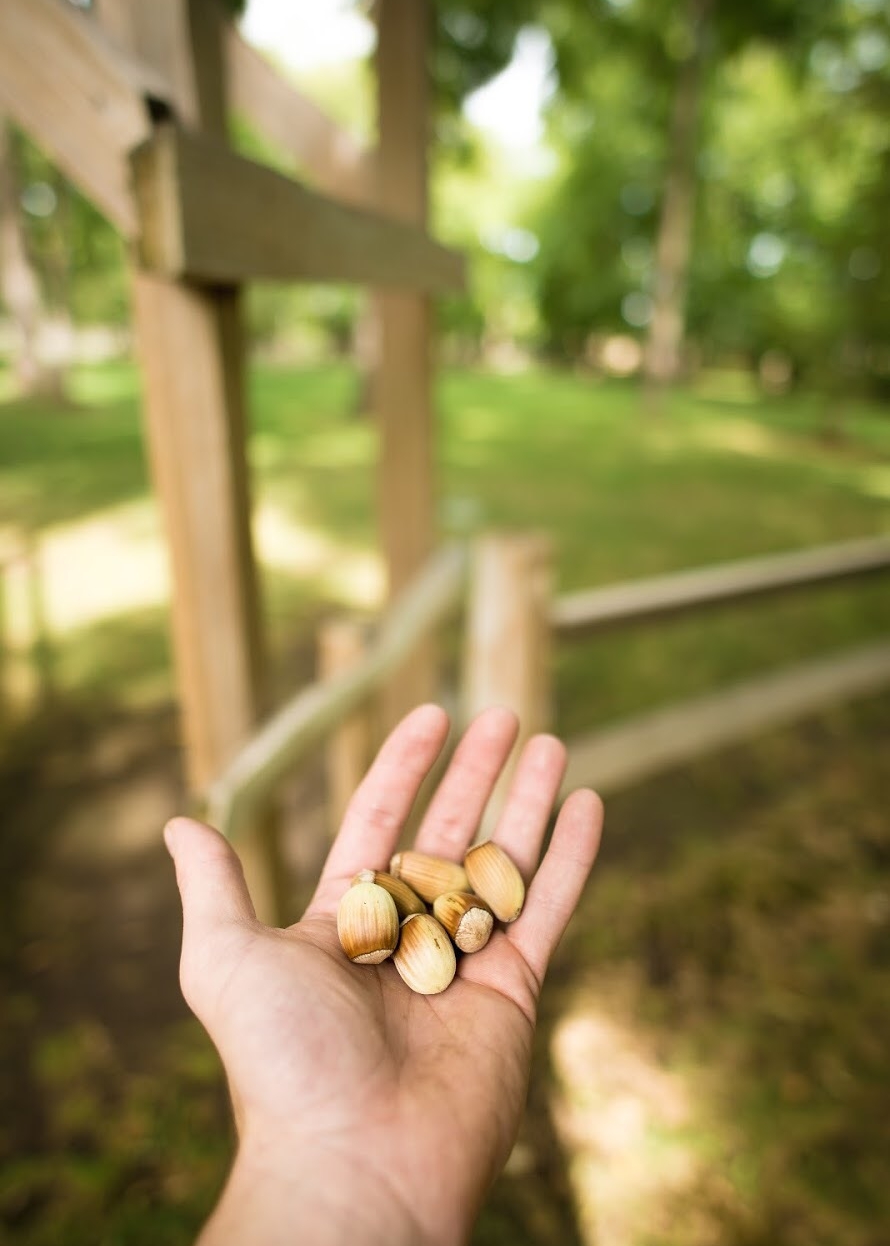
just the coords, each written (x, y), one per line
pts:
(709, 1065)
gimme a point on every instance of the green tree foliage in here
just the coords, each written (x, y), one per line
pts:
(473, 41)
(790, 249)
(77, 254)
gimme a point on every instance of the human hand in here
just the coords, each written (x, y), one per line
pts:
(366, 1112)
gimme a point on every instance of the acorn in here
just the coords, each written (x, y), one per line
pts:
(429, 876)
(495, 878)
(368, 924)
(406, 900)
(425, 958)
(467, 919)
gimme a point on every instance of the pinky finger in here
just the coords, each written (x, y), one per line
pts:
(557, 886)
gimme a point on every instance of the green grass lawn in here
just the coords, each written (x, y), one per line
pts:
(621, 495)
(728, 968)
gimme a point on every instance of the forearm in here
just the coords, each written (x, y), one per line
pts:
(283, 1195)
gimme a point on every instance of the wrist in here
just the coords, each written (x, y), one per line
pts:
(303, 1190)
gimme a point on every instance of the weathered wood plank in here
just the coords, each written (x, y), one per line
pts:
(309, 717)
(280, 113)
(402, 380)
(619, 756)
(599, 609)
(81, 98)
(210, 215)
(506, 655)
(290, 121)
(341, 647)
(190, 344)
(194, 421)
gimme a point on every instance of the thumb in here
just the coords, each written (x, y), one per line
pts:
(215, 899)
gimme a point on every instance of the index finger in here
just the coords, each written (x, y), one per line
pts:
(382, 801)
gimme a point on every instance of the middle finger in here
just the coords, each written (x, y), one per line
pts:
(457, 807)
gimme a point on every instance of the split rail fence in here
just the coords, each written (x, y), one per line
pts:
(132, 100)
(501, 584)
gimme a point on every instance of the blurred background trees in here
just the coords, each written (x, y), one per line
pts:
(761, 201)
(712, 185)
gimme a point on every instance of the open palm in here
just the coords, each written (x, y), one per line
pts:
(408, 1102)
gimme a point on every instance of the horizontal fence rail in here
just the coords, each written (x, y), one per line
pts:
(629, 752)
(507, 641)
(310, 716)
(198, 203)
(637, 601)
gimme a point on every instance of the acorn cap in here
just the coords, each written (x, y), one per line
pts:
(406, 900)
(495, 878)
(425, 958)
(368, 924)
(467, 919)
(429, 876)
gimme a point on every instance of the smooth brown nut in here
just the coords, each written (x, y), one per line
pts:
(495, 878)
(429, 876)
(425, 958)
(368, 924)
(406, 900)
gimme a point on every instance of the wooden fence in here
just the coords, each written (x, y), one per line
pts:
(510, 621)
(132, 100)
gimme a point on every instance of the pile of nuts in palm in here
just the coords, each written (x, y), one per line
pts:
(383, 915)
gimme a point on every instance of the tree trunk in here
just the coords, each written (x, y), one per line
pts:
(663, 355)
(19, 285)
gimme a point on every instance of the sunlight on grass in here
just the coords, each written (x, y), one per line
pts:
(105, 383)
(105, 565)
(875, 483)
(114, 564)
(481, 424)
(355, 577)
(742, 437)
(705, 1092)
(621, 496)
(721, 1064)
(351, 446)
(727, 385)
(624, 1120)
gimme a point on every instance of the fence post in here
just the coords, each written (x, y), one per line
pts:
(506, 660)
(191, 348)
(402, 384)
(341, 644)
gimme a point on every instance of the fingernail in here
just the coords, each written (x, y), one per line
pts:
(168, 837)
